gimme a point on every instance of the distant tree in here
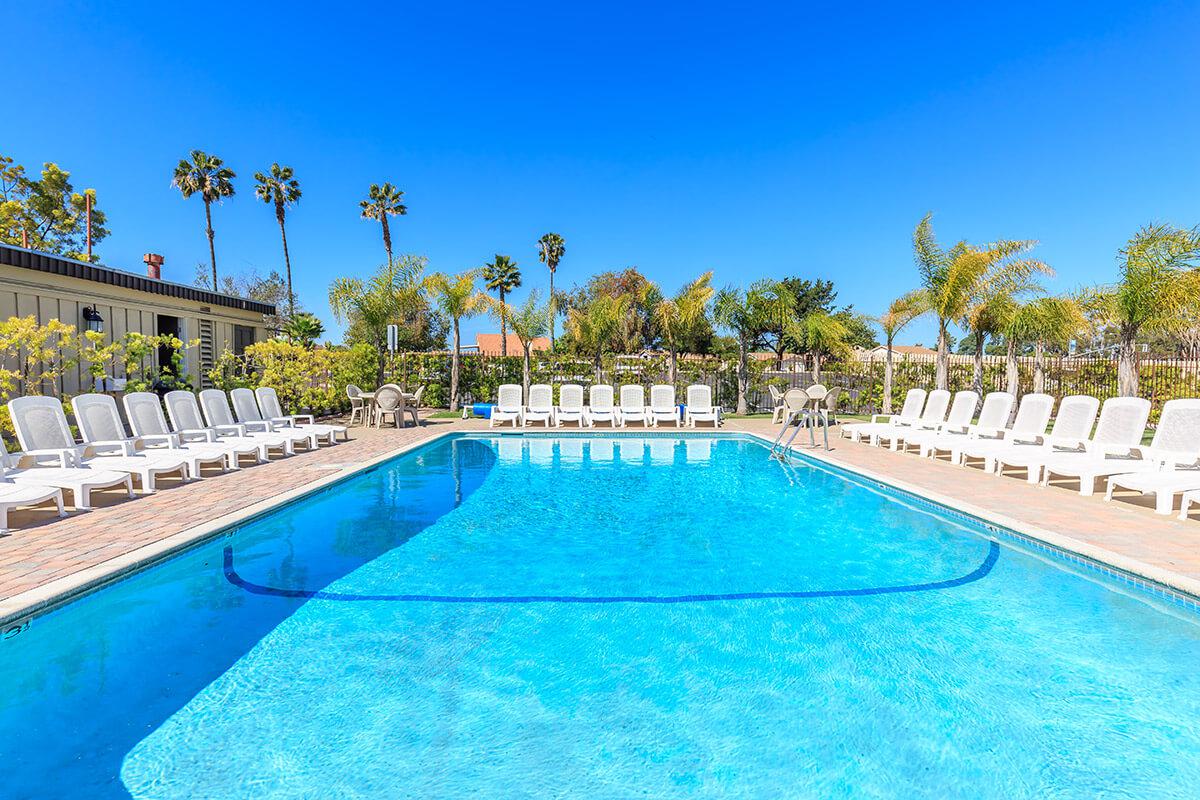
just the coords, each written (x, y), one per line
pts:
(207, 176)
(824, 335)
(677, 317)
(951, 280)
(740, 313)
(636, 328)
(594, 326)
(900, 313)
(47, 213)
(457, 299)
(528, 321)
(303, 329)
(779, 305)
(279, 188)
(1158, 291)
(502, 276)
(551, 249)
(395, 294)
(1046, 322)
(383, 202)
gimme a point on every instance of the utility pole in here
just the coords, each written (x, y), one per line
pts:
(87, 196)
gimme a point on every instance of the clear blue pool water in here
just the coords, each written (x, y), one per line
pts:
(604, 618)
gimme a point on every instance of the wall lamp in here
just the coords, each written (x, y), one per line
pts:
(92, 319)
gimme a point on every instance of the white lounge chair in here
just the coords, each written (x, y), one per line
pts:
(914, 401)
(1109, 451)
(699, 406)
(108, 445)
(933, 414)
(570, 406)
(1171, 463)
(662, 405)
(219, 417)
(600, 405)
(1028, 430)
(16, 495)
(268, 404)
(541, 405)
(22, 469)
(183, 410)
(952, 437)
(962, 411)
(633, 405)
(146, 420)
(42, 429)
(249, 415)
(508, 406)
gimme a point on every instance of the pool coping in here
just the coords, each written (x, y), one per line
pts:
(18, 609)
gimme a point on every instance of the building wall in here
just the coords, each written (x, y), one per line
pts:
(48, 296)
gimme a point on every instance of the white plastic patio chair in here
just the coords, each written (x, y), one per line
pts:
(633, 405)
(219, 417)
(183, 411)
(22, 469)
(1110, 451)
(778, 408)
(41, 425)
(1171, 463)
(541, 405)
(17, 495)
(933, 414)
(146, 420)
(600, 405)
(570, 406)
(508, 405)
(250, 416)
(699, 407)
(358, 407)
(389, 402)
(951, 438)
(662, 405)
(268, 404)
(914, 401)
(1028, 430)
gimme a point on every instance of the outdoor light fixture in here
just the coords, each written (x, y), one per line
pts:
(92, 319)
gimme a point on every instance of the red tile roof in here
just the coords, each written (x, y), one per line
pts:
(489, 344)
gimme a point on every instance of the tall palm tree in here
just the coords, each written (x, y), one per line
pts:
(1045, 321)
(528, 322)
(457, 298)
(595, 326)
(953, 279)
(741, 313)
(207, 176)
(676, 317)
(823, 333)
(279, 187)
(502, 276)
(1158, 286)
(900, 313)
(383, 202)
(551, 249)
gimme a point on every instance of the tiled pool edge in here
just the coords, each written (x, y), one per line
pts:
(1160, 582)
(20, 607)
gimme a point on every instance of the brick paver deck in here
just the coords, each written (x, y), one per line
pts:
(43, 553)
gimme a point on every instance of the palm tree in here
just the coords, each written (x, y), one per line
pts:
(676, 317)
(457, 299)
(900, 313)
(823, 333)
(502, 276)
(780, 305)
(392, 294)
(1158, 287)
(528, 322)
(1052, 321)
(212, 180)
(551, 249)
(280, 188)
(383, 202)
(741, 313)
(952, 280)
(303, 328)
(595, 326)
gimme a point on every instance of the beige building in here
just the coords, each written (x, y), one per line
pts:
(49, 286)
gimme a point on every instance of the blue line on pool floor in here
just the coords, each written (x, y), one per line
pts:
(978, 573)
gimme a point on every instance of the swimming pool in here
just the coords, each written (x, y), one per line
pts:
(605, 616)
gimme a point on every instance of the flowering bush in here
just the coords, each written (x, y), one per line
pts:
(309, 380)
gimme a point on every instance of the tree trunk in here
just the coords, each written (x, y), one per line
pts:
(387, 237)
(816, 370)
(503, 327)
(599, 364)
(977, 366)
(1012, 370)
(454, 370)
(550, 309)
(743, 376)
(1127, 363)
(887, 378)
(287, 263)
(1039, 366)
(941, 378)
(671, 371)
(525, 368)
(212, 250)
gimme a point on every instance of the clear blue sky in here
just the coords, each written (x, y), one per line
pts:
(767, 140)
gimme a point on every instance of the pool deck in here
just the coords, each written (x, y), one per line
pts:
(45, 559)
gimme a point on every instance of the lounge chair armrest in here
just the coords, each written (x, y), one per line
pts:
(283, 422)
(65, 456)
(981, 432)
(235, 429)
(1166, 458)
(197, 434)
(299, 419)
(127, 447)
(258, 425)
(171, 440)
